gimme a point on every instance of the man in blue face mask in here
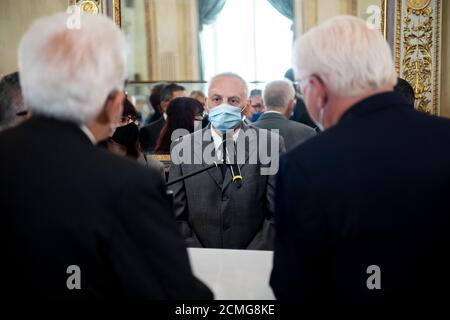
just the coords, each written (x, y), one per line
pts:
(212, 209)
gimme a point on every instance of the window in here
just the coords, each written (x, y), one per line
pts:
(250, 38)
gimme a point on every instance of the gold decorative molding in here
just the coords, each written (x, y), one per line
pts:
(384, 18)
(349, 7)
(398, 34)
(437, 60)
(417, 50)
(418, 4)
(90, 6)
(116, 12)
(310, 18)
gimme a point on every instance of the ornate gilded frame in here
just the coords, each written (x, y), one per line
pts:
(109, 7)
(418, 49)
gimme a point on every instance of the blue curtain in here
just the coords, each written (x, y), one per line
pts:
(286, 8)
(208, 10)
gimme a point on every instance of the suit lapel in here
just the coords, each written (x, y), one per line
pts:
(250, 148)
(215, 173)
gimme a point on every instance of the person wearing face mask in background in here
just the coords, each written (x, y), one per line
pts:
(124, 140)
(212, 210)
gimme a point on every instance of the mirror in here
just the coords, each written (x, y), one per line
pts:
(190, 40)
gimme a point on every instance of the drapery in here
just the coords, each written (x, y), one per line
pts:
(286, 8)
(207, 14)
(208, 11)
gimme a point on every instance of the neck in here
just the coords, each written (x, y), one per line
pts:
(341, 104)
(282, 111)
(99, 131)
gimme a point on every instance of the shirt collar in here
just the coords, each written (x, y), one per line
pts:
(272, 111)
(88, 133)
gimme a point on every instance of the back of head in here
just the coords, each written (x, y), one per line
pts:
(155, 95)
(128, 136)
(168, 90)
(11, 100)
(405, 90)
(256, 93)
(350, 57)
(181, 114)
(197, 93)
(278, 94)
(129, 110)
(68, 73)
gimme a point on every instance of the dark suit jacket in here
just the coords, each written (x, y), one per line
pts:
(293, 133)
(213, 214)
(148, 135)
(66, 202)
(372, 190)
(301, 114)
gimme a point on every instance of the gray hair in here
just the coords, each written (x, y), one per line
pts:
(278, 94)
(232, 75)
(11, 100)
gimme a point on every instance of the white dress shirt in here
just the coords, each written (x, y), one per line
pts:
(88, 133)
(217, 138)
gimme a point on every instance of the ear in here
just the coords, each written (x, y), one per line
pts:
(321, 91)
(164, 105)
(246, 108)
(114, 107)
(290, 107)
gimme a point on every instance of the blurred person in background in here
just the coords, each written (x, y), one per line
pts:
(12, 107)
(125, 140)
(404, 89)
(182, 113)
(299, 114)
(199, 95)
(155, 102)
(148, 135)
(257, 106)
(279, 97)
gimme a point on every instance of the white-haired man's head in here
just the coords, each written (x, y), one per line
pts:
(339, 63)
(73, 74)
(279, 96)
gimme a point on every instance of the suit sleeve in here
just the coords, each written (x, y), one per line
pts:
(301, 238)
(264, 238)
(181, 206)
(148, 253)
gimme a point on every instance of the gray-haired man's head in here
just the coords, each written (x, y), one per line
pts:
(279, 96)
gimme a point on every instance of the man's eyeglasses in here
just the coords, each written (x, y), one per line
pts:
(298, 83)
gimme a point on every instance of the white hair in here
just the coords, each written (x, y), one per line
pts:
(278, 94)
(349, 57)
(231, 75)
(68, 73)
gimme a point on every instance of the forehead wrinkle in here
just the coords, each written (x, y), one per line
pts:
(226, 86)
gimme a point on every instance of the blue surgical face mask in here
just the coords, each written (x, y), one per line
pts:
(224, 117)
